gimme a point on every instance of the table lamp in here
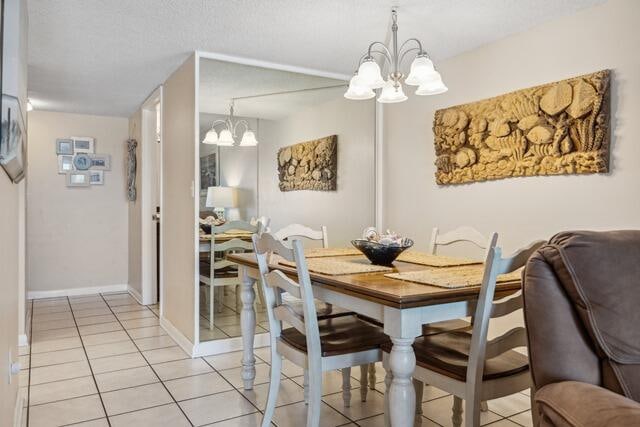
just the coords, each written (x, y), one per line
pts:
(221, 198)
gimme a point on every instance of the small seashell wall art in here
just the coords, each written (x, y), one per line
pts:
(311, 165)
(552, 129)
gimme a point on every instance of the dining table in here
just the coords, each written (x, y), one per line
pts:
(402, 307)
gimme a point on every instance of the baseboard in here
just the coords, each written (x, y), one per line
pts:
(77, 291)
(177, 336)
(18, 411)
(23, 340)
(134, 293)
(210, 348)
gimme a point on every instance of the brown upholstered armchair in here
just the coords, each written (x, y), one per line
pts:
(582, 311)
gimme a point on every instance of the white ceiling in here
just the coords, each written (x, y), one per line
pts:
(273, 94)
(106, 56)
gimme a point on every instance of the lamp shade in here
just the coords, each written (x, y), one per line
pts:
(391, 94)
(225, 137)
(433, 88)
(211, 137)
(422, 71)
(248, 139)
(357, 91)
(221, 197)
(369, 74)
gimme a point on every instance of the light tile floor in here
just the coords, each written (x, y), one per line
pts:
(103, 360)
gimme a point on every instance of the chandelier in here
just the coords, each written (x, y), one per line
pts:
(368, 76)
(229, 133)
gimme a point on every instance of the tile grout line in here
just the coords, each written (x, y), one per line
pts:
(87, 360)
(150, 366)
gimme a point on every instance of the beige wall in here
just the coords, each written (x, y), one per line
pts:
(76, 237)
(9, 292)
(135, 211)
(345, 212)
(178, 210)
(523, 209)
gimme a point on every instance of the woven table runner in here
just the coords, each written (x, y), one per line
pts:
(330, 252)
(335, 267)
(434, 260)
(452, 278)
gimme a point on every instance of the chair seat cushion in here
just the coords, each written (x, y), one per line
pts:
(448, 354)
(446, 326)
(339, 335)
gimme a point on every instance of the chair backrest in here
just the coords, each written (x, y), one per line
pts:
(299, 230)
(275, 282)
(262, 219)
(231, 244)
(486, 309)
(464, 233)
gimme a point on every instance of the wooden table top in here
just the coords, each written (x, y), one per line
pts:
(224, 237)
(385, 290)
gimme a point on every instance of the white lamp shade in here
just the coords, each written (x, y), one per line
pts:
(248, 139)
(369, 75)
(221, 197)
(225, 137)
(434, 88)
(211, 137)
(391, 94)
(422, 72)
(357, 91)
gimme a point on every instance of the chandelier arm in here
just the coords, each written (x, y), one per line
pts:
(218, 122)
(413, 40)
(387, 53)
(238, 123)
(403, 54)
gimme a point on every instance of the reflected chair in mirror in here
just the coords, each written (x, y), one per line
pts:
(325, 310)
(221, 272)
(316, 345)
(466, 363)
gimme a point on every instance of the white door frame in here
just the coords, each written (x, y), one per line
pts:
(147, 198)
(224, 345)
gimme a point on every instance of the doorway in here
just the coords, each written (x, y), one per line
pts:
(151, 203)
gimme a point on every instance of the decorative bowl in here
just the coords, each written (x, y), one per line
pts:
(380, 254)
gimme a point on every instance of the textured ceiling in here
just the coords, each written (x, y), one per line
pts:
(281, 92)
(106, 56)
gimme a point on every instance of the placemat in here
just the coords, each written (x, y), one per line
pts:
(330, 252)
(434, 260)
(452, 278)
(335, 267)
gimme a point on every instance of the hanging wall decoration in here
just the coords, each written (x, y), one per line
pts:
(76, 160)
(552, 129)
(131, 169)
(311, 165)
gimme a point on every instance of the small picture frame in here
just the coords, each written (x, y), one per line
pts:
(96, 177)
(64, 147)
(83, 144)
(78, 179)
(101, 162)
(82, 161)
(65, 164)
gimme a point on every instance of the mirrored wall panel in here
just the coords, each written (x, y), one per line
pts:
(276, 148)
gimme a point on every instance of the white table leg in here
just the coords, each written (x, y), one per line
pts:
(402, 326)
(248, 324)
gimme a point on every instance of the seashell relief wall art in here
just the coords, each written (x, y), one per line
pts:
(552, 129)
(311, 165)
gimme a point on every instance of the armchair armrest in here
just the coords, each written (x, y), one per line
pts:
(577, 404)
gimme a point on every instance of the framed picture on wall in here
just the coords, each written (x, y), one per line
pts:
(13, 139)
(96, 177)
(78, 179)
(100, 162)
(83, 144)
(65, 164)
(209, 171)
(64, 146)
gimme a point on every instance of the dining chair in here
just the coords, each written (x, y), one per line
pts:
(316, 345)
(223, 272)
(466, 363)
(325, 310)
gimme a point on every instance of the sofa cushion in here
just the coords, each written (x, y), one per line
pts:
(600, 272)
